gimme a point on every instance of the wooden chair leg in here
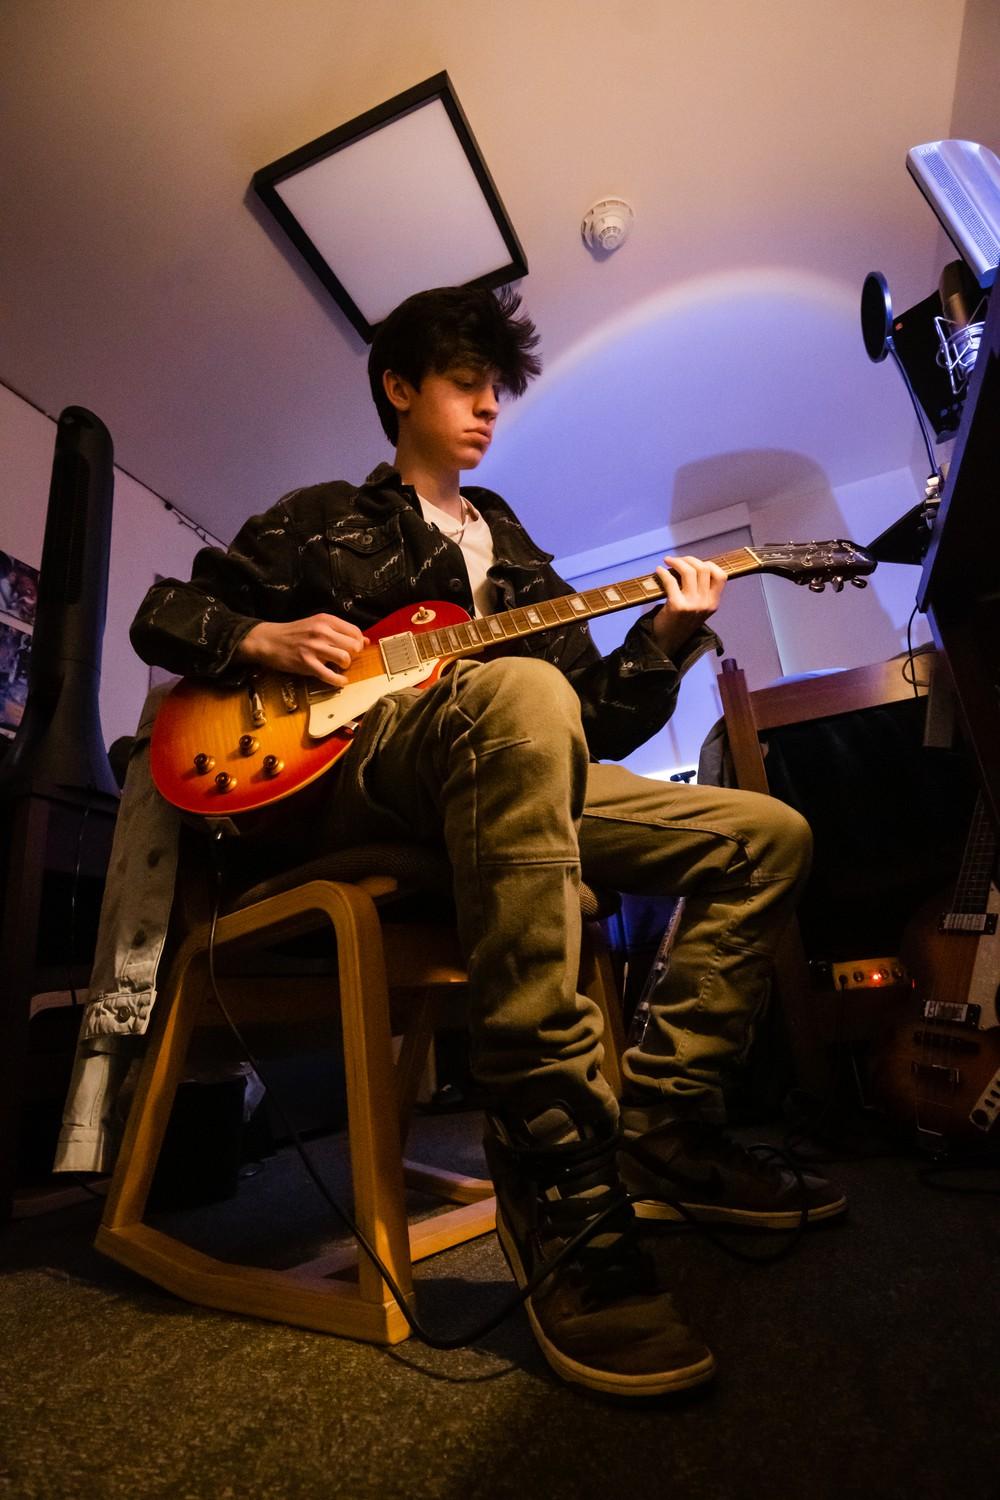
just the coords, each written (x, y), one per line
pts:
(173, 1023)
(372, 1110)
(314, 1295)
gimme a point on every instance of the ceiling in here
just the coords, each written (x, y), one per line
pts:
(714, 358)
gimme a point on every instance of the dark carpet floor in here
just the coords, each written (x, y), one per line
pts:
(866, 1363)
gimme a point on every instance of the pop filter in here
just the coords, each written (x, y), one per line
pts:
(876, 317)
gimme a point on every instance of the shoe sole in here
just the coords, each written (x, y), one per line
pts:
(712, 1213)
(607, 1382)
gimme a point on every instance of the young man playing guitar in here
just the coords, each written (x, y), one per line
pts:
(500, 762)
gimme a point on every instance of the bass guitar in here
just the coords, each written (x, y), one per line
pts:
(938, 1071)
(221, 751)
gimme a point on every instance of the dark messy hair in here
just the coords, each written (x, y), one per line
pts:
(432, 331)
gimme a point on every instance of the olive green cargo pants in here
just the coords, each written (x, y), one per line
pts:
(492, 761)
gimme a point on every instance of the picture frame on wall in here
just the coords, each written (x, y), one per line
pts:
(18, 604)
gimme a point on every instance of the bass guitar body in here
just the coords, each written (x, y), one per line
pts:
(222, 751)
(938, 1075)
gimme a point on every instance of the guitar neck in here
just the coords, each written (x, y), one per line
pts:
(972, 889)
(527, 619)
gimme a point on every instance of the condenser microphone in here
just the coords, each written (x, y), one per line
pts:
(960, 323)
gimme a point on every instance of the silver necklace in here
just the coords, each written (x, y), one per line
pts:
(467, 514)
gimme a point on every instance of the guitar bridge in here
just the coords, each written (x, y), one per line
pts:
(935, 1073)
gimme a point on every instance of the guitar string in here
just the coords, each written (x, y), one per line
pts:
(605, 599)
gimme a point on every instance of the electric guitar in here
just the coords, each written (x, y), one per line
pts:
(938, 1073)
(221, 751)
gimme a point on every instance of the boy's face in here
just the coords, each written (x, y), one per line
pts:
(449, 421)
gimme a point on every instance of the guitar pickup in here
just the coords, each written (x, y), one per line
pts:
(399, 653)
(984, 923)
(946, 1013)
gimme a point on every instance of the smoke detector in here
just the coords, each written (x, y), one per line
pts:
(607, 223)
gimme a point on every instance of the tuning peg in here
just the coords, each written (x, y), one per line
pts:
(837, 585)
(817, 585)
(860, 583)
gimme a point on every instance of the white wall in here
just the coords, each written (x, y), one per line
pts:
(146, 539)
(771, 626)
(815, 632)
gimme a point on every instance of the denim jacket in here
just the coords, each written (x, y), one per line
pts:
(360, 553)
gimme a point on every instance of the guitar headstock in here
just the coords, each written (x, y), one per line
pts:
(815, 564)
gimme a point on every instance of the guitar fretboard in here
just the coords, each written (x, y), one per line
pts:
(569, 609)
(972, 890)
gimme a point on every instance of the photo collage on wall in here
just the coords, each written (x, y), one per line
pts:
(18, 601)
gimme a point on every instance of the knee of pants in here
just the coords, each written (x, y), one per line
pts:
(521, 695)
(788, 839)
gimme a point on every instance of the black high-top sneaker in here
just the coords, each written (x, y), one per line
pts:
(601, 1318)
(690, 1169)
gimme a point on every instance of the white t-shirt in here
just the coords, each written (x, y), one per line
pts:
(476, 542)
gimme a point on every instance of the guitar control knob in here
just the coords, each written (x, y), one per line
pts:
(272, 766)
(225, 782)
(248, 744)
(203, 763)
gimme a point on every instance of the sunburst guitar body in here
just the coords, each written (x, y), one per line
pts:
(221, 751)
